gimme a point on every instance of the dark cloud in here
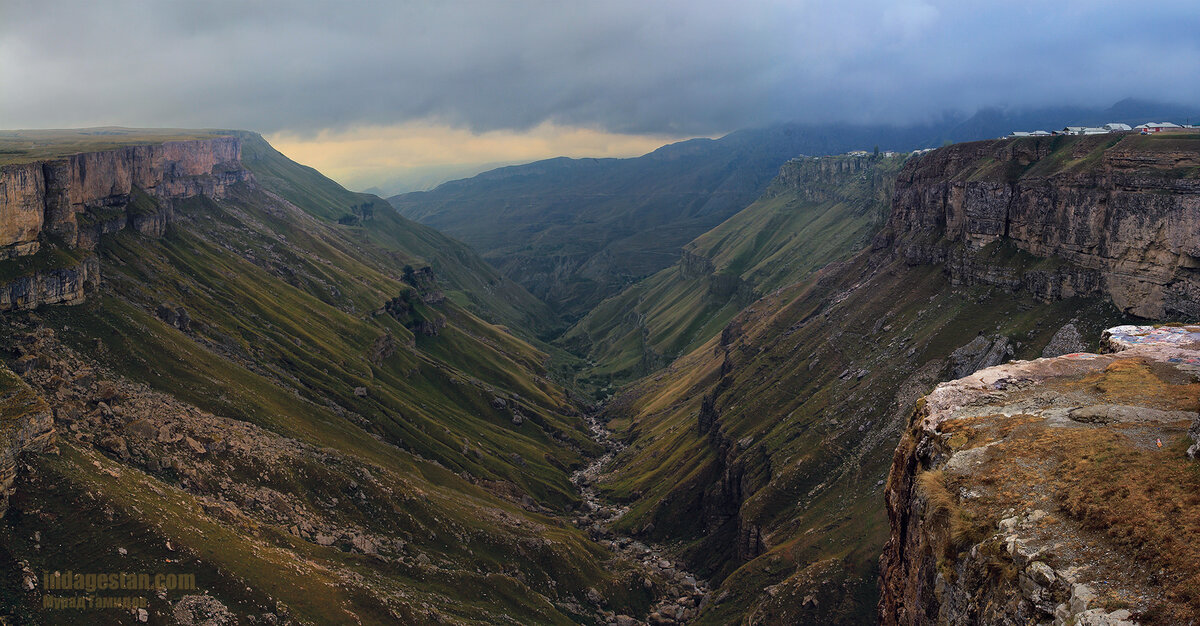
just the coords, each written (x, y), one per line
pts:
(696, 67)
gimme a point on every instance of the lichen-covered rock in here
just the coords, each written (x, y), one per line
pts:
(1051, 491)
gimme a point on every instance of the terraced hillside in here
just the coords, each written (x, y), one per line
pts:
(816, 211)
(762, 453)
(283, 389)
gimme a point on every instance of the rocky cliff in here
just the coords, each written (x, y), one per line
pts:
(1111, 215)
(57, 205)
(54, 211)
(26, 423)
(1056, 490)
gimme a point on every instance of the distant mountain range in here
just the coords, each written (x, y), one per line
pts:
(576, 231)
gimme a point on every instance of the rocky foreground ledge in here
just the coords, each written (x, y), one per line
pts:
(1062, 490)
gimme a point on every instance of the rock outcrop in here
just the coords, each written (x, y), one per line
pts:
(64, 285)
(821, 179)
(61, 204)
(26, 424)
(1112, 215)
(51, 195)
(1057, 491)
(1066, 341)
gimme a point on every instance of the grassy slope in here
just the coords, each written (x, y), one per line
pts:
(811, 387)
(814, 213)
(468, 280)
(809, 446)
(575, 231)
(286, 320)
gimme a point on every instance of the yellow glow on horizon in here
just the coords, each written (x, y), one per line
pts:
(369, 155)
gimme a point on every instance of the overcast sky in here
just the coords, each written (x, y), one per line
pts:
(634, 72)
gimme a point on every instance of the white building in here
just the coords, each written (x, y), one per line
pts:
(1082, 130)
(1156, 127)
(1117, 127)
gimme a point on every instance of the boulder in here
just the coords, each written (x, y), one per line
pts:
(1066, 341)
(981, 352)
(196, 446)
(142, 428)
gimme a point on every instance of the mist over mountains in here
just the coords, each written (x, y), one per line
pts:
(575, 231)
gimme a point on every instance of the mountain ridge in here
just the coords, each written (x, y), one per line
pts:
(575, 231)
(762, 453)
(288, 401)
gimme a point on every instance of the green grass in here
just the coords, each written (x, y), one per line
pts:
(807, 471)
(25, 146)
(381, 233)
(809, 218)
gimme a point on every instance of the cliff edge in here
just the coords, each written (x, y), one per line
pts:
(59, 195)
(1113, 215)
(1059, 490)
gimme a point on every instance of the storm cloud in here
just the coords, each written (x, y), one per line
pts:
(700, 67)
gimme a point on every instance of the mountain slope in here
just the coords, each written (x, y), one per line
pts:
(574, 231)
(763, 452)
(474, 283)
(817, 210)
(255, 395)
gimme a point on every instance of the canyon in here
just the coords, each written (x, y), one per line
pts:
(764, 451)
(239, 366)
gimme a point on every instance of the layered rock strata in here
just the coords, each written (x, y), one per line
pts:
(69, 203)
(1121, 212)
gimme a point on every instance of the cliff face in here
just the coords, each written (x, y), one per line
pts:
(26, 423)
(51, 195)
(72, 201)
(1056, 490)
(1121, 211)
(63, 285)
(820, 179)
